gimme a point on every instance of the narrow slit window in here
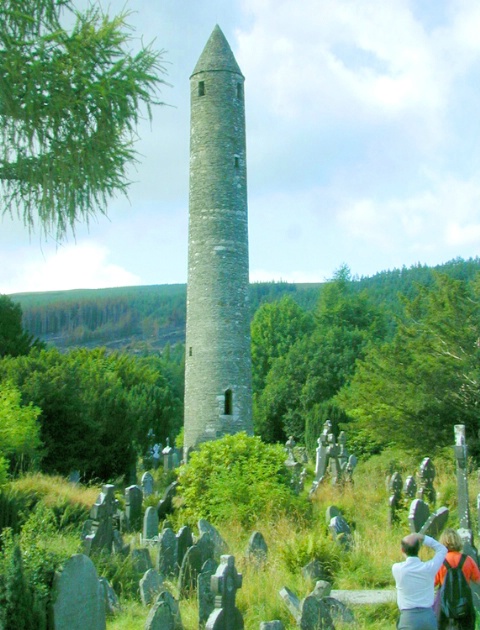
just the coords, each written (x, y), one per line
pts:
(239, 90)
(201, 88)
(190, 351)
(228, 402)
(237, 161)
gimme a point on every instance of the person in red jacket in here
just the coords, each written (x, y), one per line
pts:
(452, 541)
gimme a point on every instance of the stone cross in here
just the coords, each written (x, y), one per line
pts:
(460, 449)
(289, 446)
(427, 475)
(167, 457)
(225, 584)
(103, 521)
(395, 500)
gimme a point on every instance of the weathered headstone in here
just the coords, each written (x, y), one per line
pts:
(206, 546)
(410, 487)
(225, 584)
(314, 571)
(141, 560)
(103, 517)
(184, 541)
(78, 595)
(167, 553)
(74, 477)
(147, 483)
(331, 512)
(220, 547)
(257, 549)
(160, 617)
(276, 624)
(395, 499)
(435, 523)
(172, 603)
(427, 476)
(206, 598)
(112, 603)
(289, 446)
(165, 505)
(418, 515)
(292, 602)
(167, 457)
(341, 532)
(156, 454)
(189, 570)
(150, 586)
(150, 524)
(133, 507)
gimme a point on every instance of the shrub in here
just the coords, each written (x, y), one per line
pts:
(236, 477)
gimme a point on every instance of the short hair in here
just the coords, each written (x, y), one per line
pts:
(451, 539)
(410, 549)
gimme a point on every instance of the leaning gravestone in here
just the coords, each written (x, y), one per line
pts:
(184, 541)
(141, 560)
(206, 546)
(112, 603)
(220, 547)
(165, 505)
(206, 598)
(167, 553)
(225, 584)
(257, 549)
(189, 571)
(150, 524)
(418, 515)
(150, 586)
(133, 507)
(341, 532)
(77, 595)
(435, 523)
(160, 617)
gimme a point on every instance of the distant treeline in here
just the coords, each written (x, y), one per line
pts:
(156, 314)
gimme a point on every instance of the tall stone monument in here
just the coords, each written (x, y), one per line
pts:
(218, 392)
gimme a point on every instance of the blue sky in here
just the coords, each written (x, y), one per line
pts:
(362, 145)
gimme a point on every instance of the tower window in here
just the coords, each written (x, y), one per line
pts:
(201, 88)
(228, 403)
(239, 90)
(190, 351)
(237, 161)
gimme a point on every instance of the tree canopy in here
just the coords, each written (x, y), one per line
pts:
(70, 101)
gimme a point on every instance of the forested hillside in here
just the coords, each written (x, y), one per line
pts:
(149, 317)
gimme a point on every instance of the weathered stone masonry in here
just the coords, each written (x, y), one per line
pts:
(218, 396)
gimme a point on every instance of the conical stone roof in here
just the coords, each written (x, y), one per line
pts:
(217, 55)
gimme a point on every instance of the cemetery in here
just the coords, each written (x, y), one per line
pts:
(322, 559)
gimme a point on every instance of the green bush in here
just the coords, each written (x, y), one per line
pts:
(236, 478)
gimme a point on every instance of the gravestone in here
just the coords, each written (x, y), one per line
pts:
(150, 524)
(206, 597)
(172, 603)
(314, 571)
(276, 624)
(112, 603)
(289, 446)
(426, 478)
(150, 586)
(147, 484)
(165, 505)
(133, 507)
(77, 595)
(418, 515)
(461, 453)
(225, 584)
(160, 617)
(156, 454)
(395, 499)
(206, 546)
(167, 553)
(435, 523)
(341, 532)
(257, 549)
(176, 458)
(410, 487)
(220, 547)
(331, 512)
(167, 457)
(321, 452)
(141, 560)
(184, 541)
(74, 477)
(315, 611)
(189, 571)
(292, 602)
(103, 518)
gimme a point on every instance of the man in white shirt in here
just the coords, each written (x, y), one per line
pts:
(414, 580)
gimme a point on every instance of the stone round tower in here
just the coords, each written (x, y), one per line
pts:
(218, 392)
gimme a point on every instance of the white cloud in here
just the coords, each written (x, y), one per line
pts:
(85, 265)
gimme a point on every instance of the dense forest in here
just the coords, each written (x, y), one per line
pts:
(150, 317)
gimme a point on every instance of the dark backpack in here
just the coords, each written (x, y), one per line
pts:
(456, 600)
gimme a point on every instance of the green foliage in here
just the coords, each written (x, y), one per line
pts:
(412, 390)
(17, 598)
(236, 478)
(19, 430)
(316, 418)
(14, 340)
(69, 110)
